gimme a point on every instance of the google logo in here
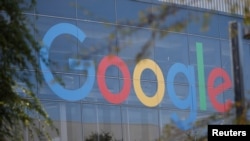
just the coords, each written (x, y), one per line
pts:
(149, 101)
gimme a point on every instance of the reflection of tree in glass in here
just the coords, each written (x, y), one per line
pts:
(199, 132)
(158, 21)
(104, 136)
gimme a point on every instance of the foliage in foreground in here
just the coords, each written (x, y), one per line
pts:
(19, 107)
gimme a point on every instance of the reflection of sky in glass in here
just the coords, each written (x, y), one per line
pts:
(128, 12)
(203, 24)
(97, 41)
(135, 42)
(97, 10)
(211, 54)
(169, 50)
(172, 48)
(47, 7)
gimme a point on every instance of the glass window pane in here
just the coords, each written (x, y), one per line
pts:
(97, 10)
(98, 40)
(226, 56)
(111, 71)
(111, 84)
(205, 104)
(110, 121)
(149, 88)
(56, 8)
(136, 40)
(169, 50)
(180, 91)
(89, 120)
(67, 81)
(169, 130)
(204, 23)
(135, 45)
(101, 119)
(132, 98)
(67, 118)
(211, 56)
(94, 94)
(140, 123)
(63, 46)
(174, 19)
(246, 67)
(136, 15)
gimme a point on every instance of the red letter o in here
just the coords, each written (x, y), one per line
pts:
(118, 62)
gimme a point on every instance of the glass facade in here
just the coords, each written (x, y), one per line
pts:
(131, 100)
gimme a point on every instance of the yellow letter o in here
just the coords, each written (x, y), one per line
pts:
(146, 100)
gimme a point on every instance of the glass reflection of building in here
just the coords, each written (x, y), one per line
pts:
(98, 19)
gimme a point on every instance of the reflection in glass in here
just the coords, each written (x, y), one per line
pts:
(98, 119)
(62, 48)
(168, 129)
(246, 68)
(68, 81)
(175, 18)
(97, 10)
(67, 119)
(110, 29)
(181, 92)
(140, 124)
(132, 12)
(226, 57)
(169, 50)
(110, 120)
(210, 53)
(204, 23)
(99, 41)
(65, 8)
